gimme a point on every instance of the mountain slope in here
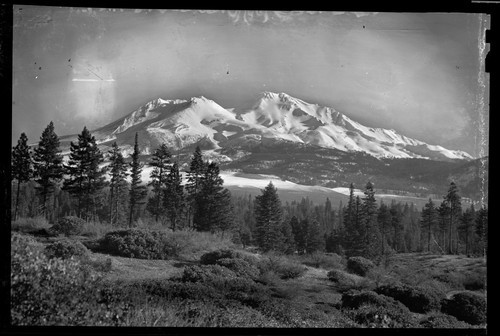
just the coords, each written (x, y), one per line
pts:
(272, 118)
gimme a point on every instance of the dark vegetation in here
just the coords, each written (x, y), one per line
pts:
(230, 262)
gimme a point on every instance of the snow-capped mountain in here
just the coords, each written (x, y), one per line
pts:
(273, 118)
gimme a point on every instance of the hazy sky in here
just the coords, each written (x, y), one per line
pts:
(419, 73)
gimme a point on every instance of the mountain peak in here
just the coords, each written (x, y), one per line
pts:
(277, 116)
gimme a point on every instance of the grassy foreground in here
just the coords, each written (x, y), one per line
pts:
(205, 280)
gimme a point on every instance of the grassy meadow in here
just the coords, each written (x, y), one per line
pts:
(93, 274)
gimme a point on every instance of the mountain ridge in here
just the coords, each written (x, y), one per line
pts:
(274, 117)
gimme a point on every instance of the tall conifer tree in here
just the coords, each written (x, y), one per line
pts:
(174, 199)
(466, 226)
(48, 167)
(195, 174)
(85, 176)
(21, 164)
(452, 201)
(213, 208)
(137, 191)
(268, 218)
(371, 236)
(384, 223)
(117, 186)
(481, 225)
(429, 219)
(160, 162)
(315, 240)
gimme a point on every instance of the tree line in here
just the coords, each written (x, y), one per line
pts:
(362, 227)
(86, 187)
(79, 186)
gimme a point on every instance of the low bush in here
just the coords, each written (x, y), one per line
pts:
(374, 316)
(241, 267)
(466, 306)
(355, 299)
(282, 266)
(211, 258)
(339, 276)
(417, 298)
(69, 226)
(345, 281)
(359, 265)
(137, 243)
(374, 310)
(96, 230)
(171, 290)
(55, 291)
(440, 320)
(31, 225)
(206, 273)
(475, 282)
(66, 248)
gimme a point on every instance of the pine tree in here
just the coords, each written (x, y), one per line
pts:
(21, 166)
(212, 204)
(397, 226)
(85, 176)
(174, 199)
(160, 161)
(117, 185)
(299, 234)
(195, 174)
(137, 191)
(314, 237)
(268, 218)
(371, 236)
(429, 220)
(443, 223)
(481, 226)
(288, 246)
(384, 223)
(48, 168)
(466, 226)
(353, 237)
(453, 203)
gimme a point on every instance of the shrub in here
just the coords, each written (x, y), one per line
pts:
(466, 306)
(355, 299)
(440, 320)
(66, 249)
(69, 226)
(171, 290)
(31, 225)
(282, 266)
(375, 310)
(211, 258)
(475, 282)
(339, 276)
(359, 265)
(55, 291)
(137, 243)
(205, 273)
(374, 316)
(96, 229)
(345, 281)
(417, 298)
(241, 267)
